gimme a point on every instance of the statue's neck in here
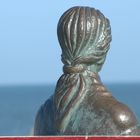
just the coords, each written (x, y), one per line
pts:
(94, 68)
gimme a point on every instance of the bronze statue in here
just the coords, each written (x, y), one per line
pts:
(81, 104)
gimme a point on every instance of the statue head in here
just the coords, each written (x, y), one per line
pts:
(84, 35)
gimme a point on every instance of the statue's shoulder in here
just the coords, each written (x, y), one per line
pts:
(43, 119)
(121, 116)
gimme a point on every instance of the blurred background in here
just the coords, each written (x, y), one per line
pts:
(30, 62)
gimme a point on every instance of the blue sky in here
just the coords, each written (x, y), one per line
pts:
(29, 49)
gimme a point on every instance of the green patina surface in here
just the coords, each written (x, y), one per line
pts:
(81, 104)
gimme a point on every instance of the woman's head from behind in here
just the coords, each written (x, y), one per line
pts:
(84, 35)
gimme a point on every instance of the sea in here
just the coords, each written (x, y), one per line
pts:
(19, 104)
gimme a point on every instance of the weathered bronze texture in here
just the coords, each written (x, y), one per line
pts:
(81, 104)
